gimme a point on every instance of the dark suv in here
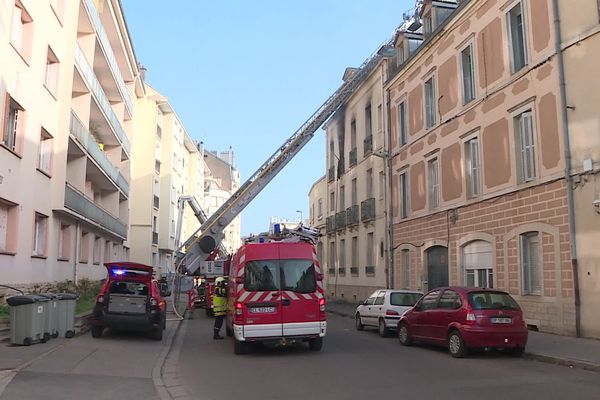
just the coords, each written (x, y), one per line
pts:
(130, 299)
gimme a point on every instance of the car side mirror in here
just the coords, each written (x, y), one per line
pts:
(164, 289)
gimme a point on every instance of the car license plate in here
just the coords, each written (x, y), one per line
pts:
(501, 320)
(262, 310)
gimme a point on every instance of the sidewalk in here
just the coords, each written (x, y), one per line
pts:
(555, 349)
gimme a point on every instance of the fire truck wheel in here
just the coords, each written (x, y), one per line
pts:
(316, 344)
(240, 347)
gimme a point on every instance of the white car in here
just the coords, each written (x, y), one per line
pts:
(384, 308)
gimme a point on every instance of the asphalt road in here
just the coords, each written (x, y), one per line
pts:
(361, 365)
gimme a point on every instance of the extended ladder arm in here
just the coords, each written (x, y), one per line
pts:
(199, 246)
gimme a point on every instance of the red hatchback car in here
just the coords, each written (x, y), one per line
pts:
(464, 318)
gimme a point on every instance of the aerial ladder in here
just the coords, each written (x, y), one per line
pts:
(203, 243)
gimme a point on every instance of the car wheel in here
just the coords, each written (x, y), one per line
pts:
(516, 351)
(157, 333)
(359, 324)
(404, 335)
(164, 322)
(27, 341)
(383, 330)
(240, 347)
(316, 344)
(456, 345)
(97, 331)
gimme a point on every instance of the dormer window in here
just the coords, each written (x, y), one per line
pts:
(427, 24)
(400, 54)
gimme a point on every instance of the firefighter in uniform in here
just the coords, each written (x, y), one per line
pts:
(219, 302)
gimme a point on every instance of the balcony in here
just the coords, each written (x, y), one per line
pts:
(159, 131)
(353, 157)
(92, 81)
(330, 224)
(367, 209)
(157, 167)
(354, 271)
(368, 145)
(80, 133)
(370, 271)
(352, 215)
(340, 220)
(331, 271)
(110, 56)
(154, 237)
(342, 271)
(331, 174)
(156, 201)
(78, 203)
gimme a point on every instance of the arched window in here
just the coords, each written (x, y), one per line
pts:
(478, 264)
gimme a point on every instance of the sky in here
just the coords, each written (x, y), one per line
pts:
(248, 74)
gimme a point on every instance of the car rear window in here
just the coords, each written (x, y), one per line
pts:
(261, 275)
(298, 276)
(129, 288)
(404, 299)
(492, 301)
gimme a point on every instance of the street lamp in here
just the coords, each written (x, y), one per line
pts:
(300, 212)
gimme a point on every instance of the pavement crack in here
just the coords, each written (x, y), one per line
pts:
(83, 359)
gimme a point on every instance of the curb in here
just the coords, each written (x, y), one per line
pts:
(565, 362)
(161, 386)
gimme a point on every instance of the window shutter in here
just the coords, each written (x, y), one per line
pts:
(525, 270)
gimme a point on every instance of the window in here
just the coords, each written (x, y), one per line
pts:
(342, 198)
(400, 54)
(380, 299)
(331, 201)
(369, 182)
(13, 125)
(477, 260)
(45, 152)
(427, 24)
(368, 124)
(379, 118)
(405, 265)
(517, 39)
(331, 256)
(353, 134)
(403, 195)
(473, 168)
(64, 242)
(468, 74)
(8, 226)
(434, 184)
(430, 107)
(370, 244)
(51, 79)
(298, 276)
(402, 127)
(449, 300)
(354, 192)
(40, 234)
(354, 255)
(107, 251)
(84, 251)
(531, 266)
(21, 33)
(320, 208)
(331, 154)
(381, 185)
(526, 147)
(97, 247)
(342, 257)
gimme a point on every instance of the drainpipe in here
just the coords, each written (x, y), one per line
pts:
(568, 178)
(388, 197)
(77, 250)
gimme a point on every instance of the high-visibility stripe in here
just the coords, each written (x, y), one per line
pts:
(306, 296)
(291, 295)
(243, 296)
(240, 287)
(256, 296)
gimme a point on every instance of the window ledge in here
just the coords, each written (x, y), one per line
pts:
(62, 259)
(96, 262)
(20, 54)
(41, 256)
(5, 147)
(47, 174)
(50, 91)
(7, 253)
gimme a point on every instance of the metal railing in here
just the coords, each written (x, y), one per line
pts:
(331, 271)
(331, 174)
(330, 224)
(368, 145)
(110, 55)
(353, 157)
(342, 271)
(354, 271)
(156, 201)
(84, 137)
(370, 270)
(91, 79)
(367, 209)
(77, 202)
(352, 215)
(154, 237)
(340, 220)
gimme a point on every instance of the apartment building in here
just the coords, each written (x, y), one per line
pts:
(317, 218)
(479, 190)
(355, 245)
(68, 83)
(222, 179)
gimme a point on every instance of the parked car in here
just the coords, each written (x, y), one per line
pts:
(384, 308)
(465, 318)
(130, 299)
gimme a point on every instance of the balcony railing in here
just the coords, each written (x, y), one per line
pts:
(157, 167)
(370, 271)
(342, 271)
(110, 56)
(90, 77)
(159, 131)
(368, 145)
(331, 271)
(331, 174)
(352, 215)
(330, 224)
(156, 201)
(83, 136)
(354, 271)
(353, 158)
(367, 209)
(154, 237)
(77, 202)
(340, 220)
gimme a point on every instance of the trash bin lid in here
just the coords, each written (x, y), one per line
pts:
(21, 300)
(49, 296)
(66, 296)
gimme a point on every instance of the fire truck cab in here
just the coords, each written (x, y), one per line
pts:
(276, 295)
